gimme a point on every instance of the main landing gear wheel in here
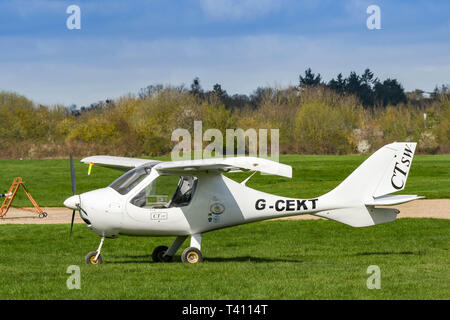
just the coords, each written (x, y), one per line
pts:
(191, 255)
(90, 258)
(158, 254)
(43, 215)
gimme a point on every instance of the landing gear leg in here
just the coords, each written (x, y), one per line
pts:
(193, 255)
(164, 254)
(176, 244)
(94, 257)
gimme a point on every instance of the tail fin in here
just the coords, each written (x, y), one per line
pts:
(382, 173)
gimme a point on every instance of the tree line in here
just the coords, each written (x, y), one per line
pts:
(371, 91)
(356, 114)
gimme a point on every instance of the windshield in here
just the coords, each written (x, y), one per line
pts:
(129, 180)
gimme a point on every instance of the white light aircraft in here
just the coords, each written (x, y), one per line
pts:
(188, 198)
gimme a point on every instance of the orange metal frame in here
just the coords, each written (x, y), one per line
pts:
(9, 197)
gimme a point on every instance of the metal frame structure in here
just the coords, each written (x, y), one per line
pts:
(9, 198)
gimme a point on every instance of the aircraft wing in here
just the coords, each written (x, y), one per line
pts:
(119, 163)
(232, 164)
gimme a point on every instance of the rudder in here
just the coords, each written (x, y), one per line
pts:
(382, 173)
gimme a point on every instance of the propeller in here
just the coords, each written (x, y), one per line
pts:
(74, 191)
(74, 202)
(72, 176)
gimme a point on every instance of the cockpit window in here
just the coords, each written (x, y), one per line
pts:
(166, 192)
(129, 180)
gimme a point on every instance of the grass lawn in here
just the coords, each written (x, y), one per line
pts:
(49, 180)
(264, 260)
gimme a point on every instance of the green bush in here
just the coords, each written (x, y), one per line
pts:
(322, 129)
(310, 120)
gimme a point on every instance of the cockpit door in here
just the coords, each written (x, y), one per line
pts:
(162, 195)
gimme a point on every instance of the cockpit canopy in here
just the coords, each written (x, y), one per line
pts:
(163, 192)
(166, 192)
(129, 180)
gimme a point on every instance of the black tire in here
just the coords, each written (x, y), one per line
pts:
(191, 255)
(158, 254)
(91, 256)
(43, 215)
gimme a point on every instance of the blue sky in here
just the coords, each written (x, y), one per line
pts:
(242, 44)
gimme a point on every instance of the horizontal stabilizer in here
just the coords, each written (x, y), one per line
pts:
(361, 216)
(390, 200)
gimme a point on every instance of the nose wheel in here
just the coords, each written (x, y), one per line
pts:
(94, 257)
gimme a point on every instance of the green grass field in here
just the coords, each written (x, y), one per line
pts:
(266, 260)
(49, 180)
